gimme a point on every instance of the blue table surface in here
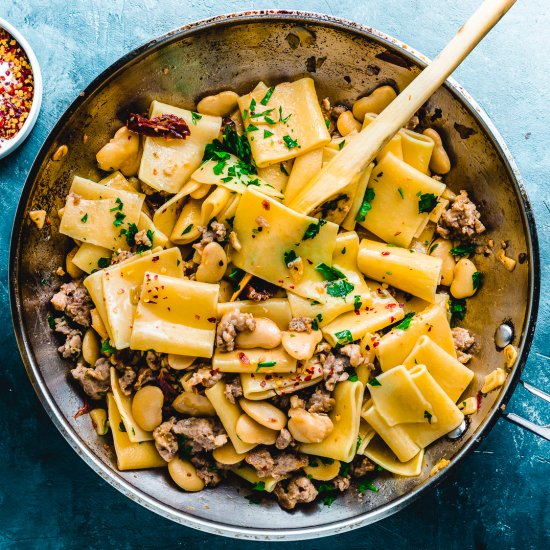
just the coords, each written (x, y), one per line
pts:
(497, 498)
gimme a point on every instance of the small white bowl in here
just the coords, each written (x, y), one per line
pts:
(8, 146)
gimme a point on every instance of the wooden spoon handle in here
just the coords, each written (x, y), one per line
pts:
(360, 151)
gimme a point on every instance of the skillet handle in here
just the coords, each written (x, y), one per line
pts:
(542, 431)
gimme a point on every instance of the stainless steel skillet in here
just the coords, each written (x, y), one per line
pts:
(236, 51)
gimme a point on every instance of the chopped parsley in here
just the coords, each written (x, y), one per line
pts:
(266, 365)
(119, 206)
(84, 218)
(267, 95)
(400, 191)
(366, 485)
(462, 250)
(187, 229)
(290, 143)
(121, 426)
(195, 117)
(357, 303)
(106, 347)
(344, 469)
(327, 493)
(313, 229)
(477, 279)
(283, 169)
(315, 322)
(427, 202)
(344, 336)
(263, 113)
(184, 448)
(432, 248)
(234, 144)
(428, 416)
(406, 321)
(341, 145)
(267, 134)
(143, 247)
(457, 309)
(340, 288)
(251, 128)
(282, 119)
(103, 262)
(374, 382)
(353, 378)
(236, 277)
(329, 273)
(358, 444)
(51, 321)
(259, 486)
(119, 218)
(290, 257)
(130, 234)
(365, 205)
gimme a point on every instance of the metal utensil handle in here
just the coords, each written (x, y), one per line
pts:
(542, 431)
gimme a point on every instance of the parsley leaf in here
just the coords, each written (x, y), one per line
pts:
(267, 134)
(329, 273)
(259, 486)
(84, 218)
(477, 279)
(344, 336)
(406, 322)
(51, 321)
(353, 378)
(374, 382)
(119, 205)
(457, 309)
(106, 347)
(103, 262)
(432, 248)
(427, 202)
(290, 257)
(267, 95)
(462, 250)
(121, 426)
(195, 117)
(357, 303)
(234, 144)
(266, 365)
(187, 229)
(282, 119)
(400, 191)
(290, 143)
(366, 485)
(365, 205)
(119, 218)
(130, 234)
(341, 145)
(340, 288)
(313, 229)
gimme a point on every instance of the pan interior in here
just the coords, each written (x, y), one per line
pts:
(345, 63)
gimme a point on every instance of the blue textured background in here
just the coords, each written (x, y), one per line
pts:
(497, 498)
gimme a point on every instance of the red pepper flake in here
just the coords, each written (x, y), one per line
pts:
(85, 409)
(211, 319)
(376, 344)
(167, 126)
(155, 259)
(266, 204)
(244, 359)
(263, 384)
(385, 253)
(16, 86)
(291, 286)
(479, 399)
(357, 312)
(391, 305)
(307, 378)
(392, 318)
(197, 317)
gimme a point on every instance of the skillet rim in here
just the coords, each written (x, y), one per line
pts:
(111, 475)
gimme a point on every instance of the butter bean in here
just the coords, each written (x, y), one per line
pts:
(193, 404)
(222, 104)
(301, 345)
(376, 102)
(91, 348)
(266, 335)
(463, 282)
(185, 475)
(120, 152)
(307, 427)
(439, 162)
(264, 413)
(227, 454)
(213, 264)
(346, 123)
(250, 431)
(147, 407)
(322, 471)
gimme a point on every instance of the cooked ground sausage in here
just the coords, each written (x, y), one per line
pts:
(320, 401)
(73, 300)
(230, 324)
(300, 324)
(96, 380)
(233, 389)
(204, 434)
(298, 490)
(464, 342)
(276, 466)
(461, 221)
(165, 441)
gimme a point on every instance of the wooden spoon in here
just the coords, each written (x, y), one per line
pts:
(348, 164)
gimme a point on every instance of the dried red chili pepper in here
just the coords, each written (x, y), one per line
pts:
(167, 126)
(85, 409)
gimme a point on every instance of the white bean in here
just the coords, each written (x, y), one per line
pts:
(301, 345)
(441, 248)
(376, 102)
(266, 335)
(250, 431)
(264, 413)
(227, 454)
(213, 264)
(147, 407)
(307, 427)
(185, 475)
(222, 104)
(322, 471)
(347, 124)
(122, 149)
(193, 404)
(90, 347)
(439, 161)
(463, 280)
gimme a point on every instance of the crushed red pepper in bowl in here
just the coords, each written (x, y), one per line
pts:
(16, 86)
